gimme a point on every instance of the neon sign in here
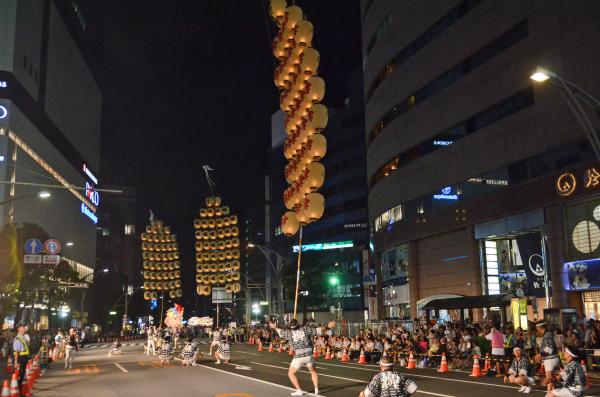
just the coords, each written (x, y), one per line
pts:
(88, 212)
(3, 112)
(325, 246)
(442, 143)
(87, 171)
(566, 184)
(91, 194)
(446, 194)
(3, 84)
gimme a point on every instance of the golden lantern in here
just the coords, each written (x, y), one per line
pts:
(199, 278)
(235, 243)
(316, 176)
(211, 223)
(221, 244)
(229, 288)
(210, 213)
(177, 274)
(219, 223)
(199, 246)
(198, 234)
(221, 278)
(218, 211)
(226, 210)
(314, 206)
(309, 61)
(197, 223)
(213, 278)
(176, 264)
(217, 201)
(203, 213)
(176, 255)
(236, 276)
(210, 201)
(289, 223)
(172, 294)
(235, 265)
(212, 235)
(203, 224)
(143, 236)
(302, 216)
(221, 256)
(233, 220)
(221, 233)
(199, 257)
(198, 268)
(237, 287)
(177, 284)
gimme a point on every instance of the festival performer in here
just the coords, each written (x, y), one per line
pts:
(216, 339)
(166, 351)
(190, 352)
(389, 382)
(548, 353)
(573, 376)
(116, 348)
(518, 373)
(151, 344)
(300, 340)
(223, 352)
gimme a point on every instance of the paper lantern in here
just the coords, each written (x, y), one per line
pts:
(309, 60)
(210, 201)
(316, 176)
(235, 265)
(302, 216)
(211, 223)
(229, 288)
(314, 206)
(289, 223)
(304, 33)
(293, 15)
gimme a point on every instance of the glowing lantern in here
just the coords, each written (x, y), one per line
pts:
(316, 147)
(289, 223)
(302, 216)
(316, 176)
(309, 61)
(314, 206)
(304, 33)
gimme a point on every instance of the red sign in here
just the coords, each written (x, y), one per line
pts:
(52, 246)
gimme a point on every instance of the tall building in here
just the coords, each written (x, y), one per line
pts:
(50, 111)
(335, 249)
(478, 177)
(118, 251)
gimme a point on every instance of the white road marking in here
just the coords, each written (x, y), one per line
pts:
(120, 367)
(243, 367)
(350, 379)
(254, 354)
(256, 380)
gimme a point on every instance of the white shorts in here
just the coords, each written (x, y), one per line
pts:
(562, 392)
(214, 343)
(298, 362)
(551, 365)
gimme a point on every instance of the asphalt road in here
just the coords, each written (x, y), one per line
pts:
(250, 374)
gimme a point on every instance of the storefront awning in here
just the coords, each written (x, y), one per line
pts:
(470, 302)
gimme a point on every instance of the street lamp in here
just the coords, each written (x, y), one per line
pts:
(576, 97)
(255, 310)
(70, 244)
(44, 194)
(84, 279)
(266, 251)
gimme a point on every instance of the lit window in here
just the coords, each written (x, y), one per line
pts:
(105, 232)
(129, 230)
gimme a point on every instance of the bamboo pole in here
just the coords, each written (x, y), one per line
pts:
(298, 273)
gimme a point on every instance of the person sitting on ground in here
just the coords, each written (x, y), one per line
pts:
(190, 352)
(116, 348)
(223, 353)
(519, 372)
(166, 350)
(573, 378)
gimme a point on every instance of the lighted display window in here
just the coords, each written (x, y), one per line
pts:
(582, 230)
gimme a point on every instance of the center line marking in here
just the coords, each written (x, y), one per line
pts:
(353, 380)
(120, 367)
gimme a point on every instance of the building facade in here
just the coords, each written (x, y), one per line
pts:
(335, 249)
(50, 112)
(464, 151)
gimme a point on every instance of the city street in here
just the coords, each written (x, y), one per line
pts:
(250, 374)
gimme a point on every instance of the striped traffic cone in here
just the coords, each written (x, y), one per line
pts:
(412, 364)
(443, 364)
(476, 368)
(14, 386)
(328, 354)
(315, 352)
(345, 357)
(5, 389)
(9, 366)
(280, 348)
(271, 348)
(362, 359)
(488, 363)
(588, 384)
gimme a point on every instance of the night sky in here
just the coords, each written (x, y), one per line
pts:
(188, 83)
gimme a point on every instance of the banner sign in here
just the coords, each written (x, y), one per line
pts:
(530, 248)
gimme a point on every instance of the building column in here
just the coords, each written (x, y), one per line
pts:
(380, 312)
(413, 277)
(555, 238)
(474, 260)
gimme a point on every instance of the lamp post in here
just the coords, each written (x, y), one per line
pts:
(576, 97)
(266, 251)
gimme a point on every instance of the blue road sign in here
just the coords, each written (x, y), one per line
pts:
(33, 246)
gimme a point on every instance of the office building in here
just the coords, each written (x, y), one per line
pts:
(471, 163)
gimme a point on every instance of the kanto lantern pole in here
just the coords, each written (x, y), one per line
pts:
(298, 273)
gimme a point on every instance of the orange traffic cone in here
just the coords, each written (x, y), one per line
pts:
(488, 363)
(362, 359)
(271, 348)
(476, 368)
(36, 367)
(260, 348)
(9, 366)
(5, 389)
(315, 352)
(328, 354)
(280, 347)
(443, 364)
(345, 357)
(28, 376)
(412, 364)
(14, 386)
(588, 384)
(25, 389)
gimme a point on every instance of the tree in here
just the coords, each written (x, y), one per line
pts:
(29, 283)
